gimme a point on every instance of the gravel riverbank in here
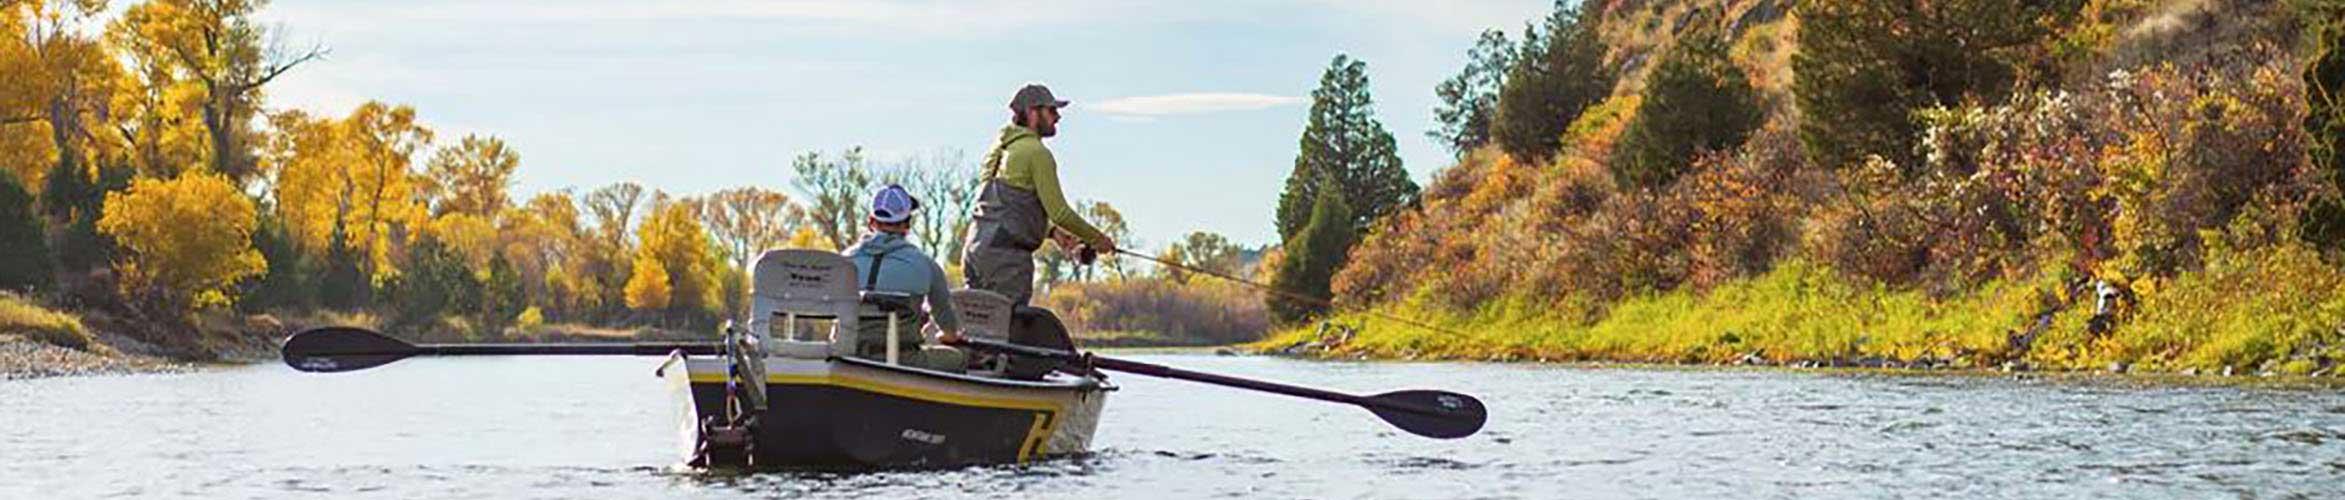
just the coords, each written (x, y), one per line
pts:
(25, 359)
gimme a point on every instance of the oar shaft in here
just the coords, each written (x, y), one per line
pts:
(571, 349)
(1156, 370)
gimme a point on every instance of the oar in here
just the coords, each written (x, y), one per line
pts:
(342, 348)
(1434, 414)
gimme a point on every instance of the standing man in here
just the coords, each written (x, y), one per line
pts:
(1021, 202)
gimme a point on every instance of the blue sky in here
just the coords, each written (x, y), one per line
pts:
(1186, 114)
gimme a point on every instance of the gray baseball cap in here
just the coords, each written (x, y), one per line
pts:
(1034, 94)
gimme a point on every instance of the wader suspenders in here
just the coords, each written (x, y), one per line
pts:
(871, 283)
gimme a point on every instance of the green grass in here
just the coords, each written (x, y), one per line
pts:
(2279, 309)
(22, 317)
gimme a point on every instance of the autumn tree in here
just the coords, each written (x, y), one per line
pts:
(1865, 67)
(216, 50)
(673, 242)
(1469, 100)
(1696, 100)
(946, 183)
(1110, 222)
(1202, 251)
(472, 176)
(1558, 72)
(343, 186)
(1312, 258)
(748, 220)
(1344, 147)
(189, 239)
(53, 104)
(833, 190)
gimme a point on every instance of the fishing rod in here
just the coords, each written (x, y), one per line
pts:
(1271, 289)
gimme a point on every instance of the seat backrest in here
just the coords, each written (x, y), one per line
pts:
(805, 283)
(984, 314)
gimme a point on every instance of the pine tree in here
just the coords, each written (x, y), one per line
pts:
(1696, 100)
(1345, 147)
(24, 252)
(1864, 67)
(1559, 73)
(1469, 101)
(2324, 83)
(1312, 258)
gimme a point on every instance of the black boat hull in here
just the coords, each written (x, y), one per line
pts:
(857, 414)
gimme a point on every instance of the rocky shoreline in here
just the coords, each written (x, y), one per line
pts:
(24, 359)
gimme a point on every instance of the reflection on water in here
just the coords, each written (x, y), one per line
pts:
(569, 428)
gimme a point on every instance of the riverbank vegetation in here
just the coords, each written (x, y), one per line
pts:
(2086, 184)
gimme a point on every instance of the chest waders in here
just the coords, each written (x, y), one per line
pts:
(1008, 225)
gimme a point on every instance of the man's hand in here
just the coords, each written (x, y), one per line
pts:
(948, 338)
(1066, 241)
(1104, 246)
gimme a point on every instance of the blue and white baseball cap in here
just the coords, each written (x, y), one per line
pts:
(893, 204)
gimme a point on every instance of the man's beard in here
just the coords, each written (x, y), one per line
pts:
(1048, 131)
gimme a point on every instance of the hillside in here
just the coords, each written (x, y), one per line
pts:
(2071, 185)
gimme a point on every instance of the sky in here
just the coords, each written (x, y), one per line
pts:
(1186, 115)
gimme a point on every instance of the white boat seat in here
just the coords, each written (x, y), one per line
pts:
(791, 284)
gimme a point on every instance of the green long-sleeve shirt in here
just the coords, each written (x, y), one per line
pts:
(1019, 159)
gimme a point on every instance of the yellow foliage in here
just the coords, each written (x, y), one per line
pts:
(675, 245)
(353, 174)
(190, 237)
(647, 288)
(807, 237)
(470, 236)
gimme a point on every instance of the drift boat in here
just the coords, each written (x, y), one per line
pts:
(789, 389)
(807, 406)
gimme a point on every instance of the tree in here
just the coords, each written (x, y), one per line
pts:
(1110, 222)
(24, 251)
(60, 81)
(346, 186)
(748, 220)
(1696, 100)
(189, 238)
(613, 207)
(647, 288)
(673, 240)
(946, 183)
(1864, 67)
(1312, 258)
(1344, 147)
(436, 282)
(833, 190)
(215, 49)
(1202, 251)
(1469, 101)
(1558, 73)
(471, 177)
(2324, 84)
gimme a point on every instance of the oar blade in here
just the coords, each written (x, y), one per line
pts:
(1433, 414)
(341, 349)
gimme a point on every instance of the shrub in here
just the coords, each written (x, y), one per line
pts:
(190, 238)
(1863, 67)
(1560, 73)
(1202, 311)
(1696, 101)
(1312, 258)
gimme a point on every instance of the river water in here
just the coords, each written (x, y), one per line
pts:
(578, 428)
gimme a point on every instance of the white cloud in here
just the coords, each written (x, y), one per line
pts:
(1191, 104)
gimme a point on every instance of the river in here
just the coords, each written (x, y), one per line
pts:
(577, 428)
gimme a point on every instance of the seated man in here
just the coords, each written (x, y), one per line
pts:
(897, 276)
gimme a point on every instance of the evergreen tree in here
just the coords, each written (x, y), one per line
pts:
(1469, 101)
(1558, 73)
(289, 281)
(1345, 147)
(24, 252)
(1864, 67)
(434, 282)
(2324, 84)
(1695, 101)
(1312, 258)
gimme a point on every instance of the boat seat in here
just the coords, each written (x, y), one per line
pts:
(793, 284)
(985, 315)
